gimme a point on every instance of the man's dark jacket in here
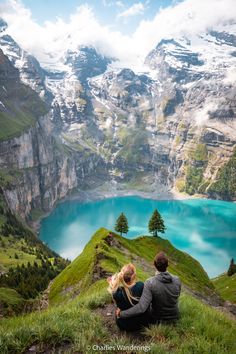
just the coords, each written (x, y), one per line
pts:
(161, 292)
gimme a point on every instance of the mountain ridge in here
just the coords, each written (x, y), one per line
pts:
(174, 126)
(105, 254)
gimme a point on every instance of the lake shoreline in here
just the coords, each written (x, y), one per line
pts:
(189, 222)
(110, 191)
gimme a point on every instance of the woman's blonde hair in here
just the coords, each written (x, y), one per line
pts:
(126, 275)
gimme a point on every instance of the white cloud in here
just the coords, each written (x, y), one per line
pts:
(136, 9)
(54, 37)
(187, 18)
(108, 3)
(120, 4)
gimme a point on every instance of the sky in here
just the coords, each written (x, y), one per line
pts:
(124, 29)
(120, 15)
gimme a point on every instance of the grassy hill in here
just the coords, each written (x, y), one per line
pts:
(226, 286)
(104, 255)
(11, 302)
(26, 264)
(78, 321)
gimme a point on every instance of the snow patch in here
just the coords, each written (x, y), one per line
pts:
(2, 104)
(230, 76)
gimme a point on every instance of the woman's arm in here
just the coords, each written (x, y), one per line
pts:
(143, 304)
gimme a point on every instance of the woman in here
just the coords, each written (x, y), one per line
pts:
(126, 293)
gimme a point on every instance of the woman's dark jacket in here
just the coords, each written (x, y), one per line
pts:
(123, 303)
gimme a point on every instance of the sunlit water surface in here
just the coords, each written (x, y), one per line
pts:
(206, 229)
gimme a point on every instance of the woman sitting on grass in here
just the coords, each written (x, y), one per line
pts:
(126, 293)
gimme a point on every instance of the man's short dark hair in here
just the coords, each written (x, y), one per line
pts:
(161, 261)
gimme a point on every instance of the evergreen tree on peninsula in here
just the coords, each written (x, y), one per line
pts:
(156, 223)
(232, 268)
(122, 224)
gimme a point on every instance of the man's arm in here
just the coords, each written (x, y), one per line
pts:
(143, 304)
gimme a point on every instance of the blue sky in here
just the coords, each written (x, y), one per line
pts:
(108, 12)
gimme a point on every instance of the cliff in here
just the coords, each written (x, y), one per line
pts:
(36, 168)
(172, 127)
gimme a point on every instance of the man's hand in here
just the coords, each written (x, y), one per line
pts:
(118, 311)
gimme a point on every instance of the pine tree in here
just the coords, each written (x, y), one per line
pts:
(122, 224)
(232, 268)
(156, 223)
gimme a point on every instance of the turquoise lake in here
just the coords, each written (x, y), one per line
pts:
(206, 229)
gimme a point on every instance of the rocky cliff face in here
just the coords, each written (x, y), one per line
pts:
(36, 169)
(200, 109)
(173, 126)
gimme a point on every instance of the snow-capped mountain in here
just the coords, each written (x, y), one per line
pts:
(172, 125)
(31, 72)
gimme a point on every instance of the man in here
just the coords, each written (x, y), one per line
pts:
(160, 293)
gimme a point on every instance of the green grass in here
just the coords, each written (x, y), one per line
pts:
(65, 324)
(201, 330)
(22, 109)
(10, 296)
(187, 268)
(12, 246)
(226, 286)
(14, 125)
(133, 141)
(77, 294)
(78, 275)
(200, 153)
(11, 302)
(225, 184)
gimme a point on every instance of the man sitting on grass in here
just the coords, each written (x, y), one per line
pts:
(160, 294)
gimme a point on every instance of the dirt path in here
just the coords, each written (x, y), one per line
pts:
(107, 313)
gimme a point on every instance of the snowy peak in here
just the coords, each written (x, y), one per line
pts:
(198, 56)
(175, 59)
(86, 62)
(175, 53)
(123, 88)
(29, 68)
(224, 38)
(10, 47)
(180, 52)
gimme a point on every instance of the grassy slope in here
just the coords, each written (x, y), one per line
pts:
(15, 246)
(20, 105)
(22, 108)
(226, 286)
(10, 296)
(78, 276)
(22, 241)
(201, 330)
(225, 184)
(11, 301)
(19, 246)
